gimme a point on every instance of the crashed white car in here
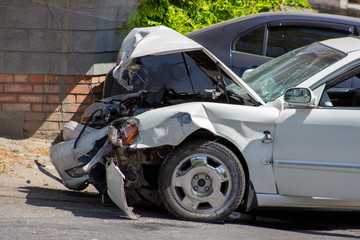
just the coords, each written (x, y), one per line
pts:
(205, 143)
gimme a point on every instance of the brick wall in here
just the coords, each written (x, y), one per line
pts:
(39, 105)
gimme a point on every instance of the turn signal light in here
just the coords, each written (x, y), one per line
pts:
(85, 119)
(129, 134)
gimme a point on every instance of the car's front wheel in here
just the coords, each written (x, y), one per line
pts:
(202, 181)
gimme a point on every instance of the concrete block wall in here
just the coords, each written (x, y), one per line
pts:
(31, 43)
(41, 84)
(341, 7)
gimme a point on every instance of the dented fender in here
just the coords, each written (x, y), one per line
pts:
(171, 125)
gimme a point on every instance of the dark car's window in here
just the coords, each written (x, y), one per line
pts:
(282, 39)
(251, 42)
(287, 38)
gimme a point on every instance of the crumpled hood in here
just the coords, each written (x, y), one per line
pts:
(161, 40)
(154, 41)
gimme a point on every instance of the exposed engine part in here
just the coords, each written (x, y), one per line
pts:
(130, 165)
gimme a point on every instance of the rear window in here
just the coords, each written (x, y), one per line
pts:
(251, 42)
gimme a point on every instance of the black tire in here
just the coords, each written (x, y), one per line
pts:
(201, 181)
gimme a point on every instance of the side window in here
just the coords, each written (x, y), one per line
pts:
(251, 41)
(344, 92)
(282, 39)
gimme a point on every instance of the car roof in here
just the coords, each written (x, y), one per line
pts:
(346, 45)
(280, 16)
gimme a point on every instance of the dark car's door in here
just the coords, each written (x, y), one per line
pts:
(262, 43)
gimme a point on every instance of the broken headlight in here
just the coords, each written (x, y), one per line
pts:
(124, 132)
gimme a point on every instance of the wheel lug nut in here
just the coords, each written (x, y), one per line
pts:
(196, 177)
(207, 188)
(196, 188)
(207, 177)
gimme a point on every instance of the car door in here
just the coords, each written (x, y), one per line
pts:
(317, 149)
(262, 43)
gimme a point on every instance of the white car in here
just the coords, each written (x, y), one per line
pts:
(283, 136)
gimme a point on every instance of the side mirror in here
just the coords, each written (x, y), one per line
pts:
(299, 97)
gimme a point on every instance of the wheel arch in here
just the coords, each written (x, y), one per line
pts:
(250, 200)
(206, 134)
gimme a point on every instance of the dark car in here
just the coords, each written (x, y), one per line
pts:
(249, 41)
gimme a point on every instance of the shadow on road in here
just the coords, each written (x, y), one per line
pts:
(317, 222)
(330, 223)
(84, 204)
(307, 219)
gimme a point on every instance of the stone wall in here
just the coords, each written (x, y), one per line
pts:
(46, 46)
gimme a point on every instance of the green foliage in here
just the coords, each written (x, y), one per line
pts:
(187, 15)
(15, 150)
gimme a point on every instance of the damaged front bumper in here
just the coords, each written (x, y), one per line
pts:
(74, 158)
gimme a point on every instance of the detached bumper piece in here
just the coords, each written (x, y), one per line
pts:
(116, 189)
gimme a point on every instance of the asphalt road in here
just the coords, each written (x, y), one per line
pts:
(32, 212)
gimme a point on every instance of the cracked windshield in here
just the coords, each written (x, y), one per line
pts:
(271, 79)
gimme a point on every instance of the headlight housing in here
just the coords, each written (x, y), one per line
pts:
(124, 132)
